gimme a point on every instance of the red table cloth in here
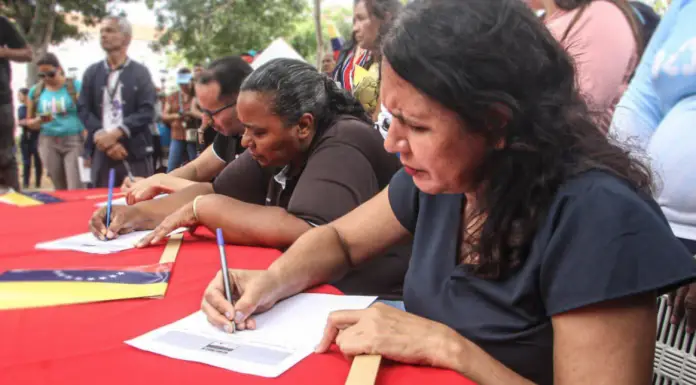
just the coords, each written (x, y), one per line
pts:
(83, 344)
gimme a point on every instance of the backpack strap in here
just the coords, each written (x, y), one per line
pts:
(33, 107)
(72, 91)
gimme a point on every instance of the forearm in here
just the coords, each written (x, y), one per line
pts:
(202, 169)
(250, 224)
(169, 118)
(187, 172)
(20, 55)
(175, 183)
(317, 257)
(158, 209)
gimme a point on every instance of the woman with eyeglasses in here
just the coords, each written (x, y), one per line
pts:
(216, 94)
(52, 109)
(312, 156)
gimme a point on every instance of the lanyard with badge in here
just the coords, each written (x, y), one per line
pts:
(116, 105)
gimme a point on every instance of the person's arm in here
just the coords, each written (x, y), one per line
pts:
(250, 224)
(13, 46)
(33, 122)
(605, 352)
(89, 118)
(639, 111)
(327, 252)
(159, 209)
(195, 112)
(145, 97)
(202, 169)
(168, 116)
(20, 55)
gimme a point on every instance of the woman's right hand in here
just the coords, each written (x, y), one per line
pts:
(128, 184)
(34, 124)
(124, 219)
(148, 188)
(256, 290)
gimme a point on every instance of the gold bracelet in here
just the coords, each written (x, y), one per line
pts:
(195, 201)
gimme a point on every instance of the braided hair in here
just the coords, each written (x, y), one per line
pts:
(296, 88)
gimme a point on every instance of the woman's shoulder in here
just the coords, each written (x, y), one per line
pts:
(603, 9)
(596, 180)
(593, 185)
(602, 196)
(349, 128)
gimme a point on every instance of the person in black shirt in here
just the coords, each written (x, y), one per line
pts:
(29, 143)
(217, 87)
(538, 250)
(12, 48)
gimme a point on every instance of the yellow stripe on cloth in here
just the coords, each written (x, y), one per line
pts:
(23, 295)
(16, 199)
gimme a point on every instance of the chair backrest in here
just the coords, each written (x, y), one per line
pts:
(675, 361)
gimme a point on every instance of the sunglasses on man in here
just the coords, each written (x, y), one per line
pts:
(48, 74)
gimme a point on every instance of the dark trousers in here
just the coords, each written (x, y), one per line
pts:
(101, 164)
(8, 163)
(30, 150)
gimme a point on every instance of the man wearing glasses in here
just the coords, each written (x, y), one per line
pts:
(12, 48)
(116, 106)
(216, 92)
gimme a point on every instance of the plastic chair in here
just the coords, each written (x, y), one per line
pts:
(675, 362)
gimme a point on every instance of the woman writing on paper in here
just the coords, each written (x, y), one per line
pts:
(538, 251)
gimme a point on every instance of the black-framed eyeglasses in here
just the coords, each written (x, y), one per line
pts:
(211, 114)
(48, 74)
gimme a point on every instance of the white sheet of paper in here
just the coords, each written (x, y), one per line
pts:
(284, 336)
(88, 243)
(85, 172)
(122, 201)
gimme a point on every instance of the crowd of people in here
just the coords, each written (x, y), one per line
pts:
(511, 178)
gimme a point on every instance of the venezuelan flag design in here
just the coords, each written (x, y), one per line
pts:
(43, 197)
(336, 40)
(37, 288)
(20, 200)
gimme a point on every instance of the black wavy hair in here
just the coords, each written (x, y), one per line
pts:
(497, 66)
(296, 88)
(49, 59)
(229, 72)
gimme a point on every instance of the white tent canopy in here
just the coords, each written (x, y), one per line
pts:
(276, 50)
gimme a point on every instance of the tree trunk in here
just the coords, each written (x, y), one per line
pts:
(319, 34)
(40, 35)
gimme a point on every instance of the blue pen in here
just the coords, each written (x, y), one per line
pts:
(223, 264)
(112, 178)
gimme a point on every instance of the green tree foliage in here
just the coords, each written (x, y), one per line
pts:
(303, 37)
(54, 12)
(45, 22)
(206, 29)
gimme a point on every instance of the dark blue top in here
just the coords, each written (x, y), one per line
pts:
(600, 241)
